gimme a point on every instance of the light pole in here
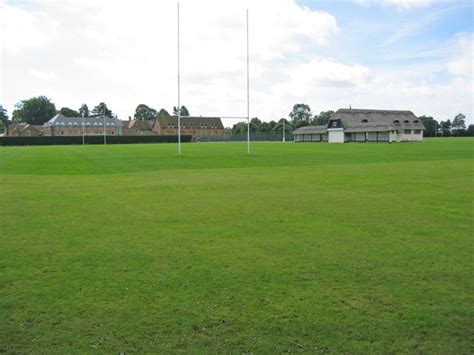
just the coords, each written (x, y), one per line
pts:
(283, 130)
(105, 139)
(83, 125)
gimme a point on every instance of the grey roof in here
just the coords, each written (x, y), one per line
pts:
(366, 120)
(190, 121)
(60, 120)
(311, 130)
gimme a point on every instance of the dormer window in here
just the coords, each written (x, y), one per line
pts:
(415, 121)
(406, 121)
(364, 121)
(396, 121)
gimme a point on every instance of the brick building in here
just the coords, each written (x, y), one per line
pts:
(24, 130)
(197, 127)
(60, 125)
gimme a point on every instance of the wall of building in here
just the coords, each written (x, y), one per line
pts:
(413, 137)
(336, 135)
(77, 131)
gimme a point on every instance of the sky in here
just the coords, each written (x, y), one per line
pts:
(383, 54)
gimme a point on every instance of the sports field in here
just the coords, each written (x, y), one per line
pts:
(296, 248)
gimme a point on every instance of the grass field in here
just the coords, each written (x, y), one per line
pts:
(298, 247)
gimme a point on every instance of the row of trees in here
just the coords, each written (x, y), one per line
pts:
(40, 109)
(144, 112)
(300, 116)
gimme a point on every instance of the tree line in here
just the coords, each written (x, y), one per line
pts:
(40, 109)
(301, 115)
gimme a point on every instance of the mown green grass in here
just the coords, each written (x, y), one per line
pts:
(298, 247)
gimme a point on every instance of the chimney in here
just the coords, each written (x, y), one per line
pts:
(129, 118)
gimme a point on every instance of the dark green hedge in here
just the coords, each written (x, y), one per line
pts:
(67, 140)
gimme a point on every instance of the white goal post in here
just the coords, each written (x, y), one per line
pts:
(248, 87)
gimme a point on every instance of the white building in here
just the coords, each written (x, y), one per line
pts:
(363, 125)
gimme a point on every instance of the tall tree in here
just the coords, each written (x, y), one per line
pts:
(36, 110)
(184, 111)
(163, 113)
(100, 110)
(445, 127)
(430, 124)
(3, 119)
(66, 111)
(323, 118)
(84, 110)
(279, 126)
(301, 112)
(470, 130)
(143, 112)
(459, 124)
(239, 128)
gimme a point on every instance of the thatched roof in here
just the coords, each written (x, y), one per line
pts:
(366, 120)
(190, 122)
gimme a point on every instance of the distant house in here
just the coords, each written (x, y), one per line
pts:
(24, 130)
(195, 126)
(61, 125)
(364, 125)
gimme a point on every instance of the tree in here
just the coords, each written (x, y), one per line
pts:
(301, 112)
(84, 110)
(3, 119)
(183, 113)
(470, 130)
(255, 124)
(163, 113)
(100, 109)
(459, 124)
(431, 125)
(143, 112)
(279, 126)
(36, 110)
(239, 128)
(66, 111)
(445, 128)
(323, 118)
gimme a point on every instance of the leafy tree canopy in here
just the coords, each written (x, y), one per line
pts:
(183, 112)
(143, 112)
(323, 118)
(66, 111)
(300, 112)
(100, 110)
(430, 124)
(84, 110)
(36, 110)
(459, 122)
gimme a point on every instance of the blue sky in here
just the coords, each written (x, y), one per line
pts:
(385, 35)
(388, 54)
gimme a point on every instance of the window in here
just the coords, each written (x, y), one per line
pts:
(407, 131)
(396, 121)
(415, 121)
(417, 131)
(364, 121)
(406, 121)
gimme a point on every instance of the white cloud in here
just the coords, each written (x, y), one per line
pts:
(78, 51)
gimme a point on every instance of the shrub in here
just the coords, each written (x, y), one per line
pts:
(70, 140)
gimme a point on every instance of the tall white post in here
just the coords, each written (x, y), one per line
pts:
(179, 94)
(103, 116)
(248, 88)
(283, 130)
